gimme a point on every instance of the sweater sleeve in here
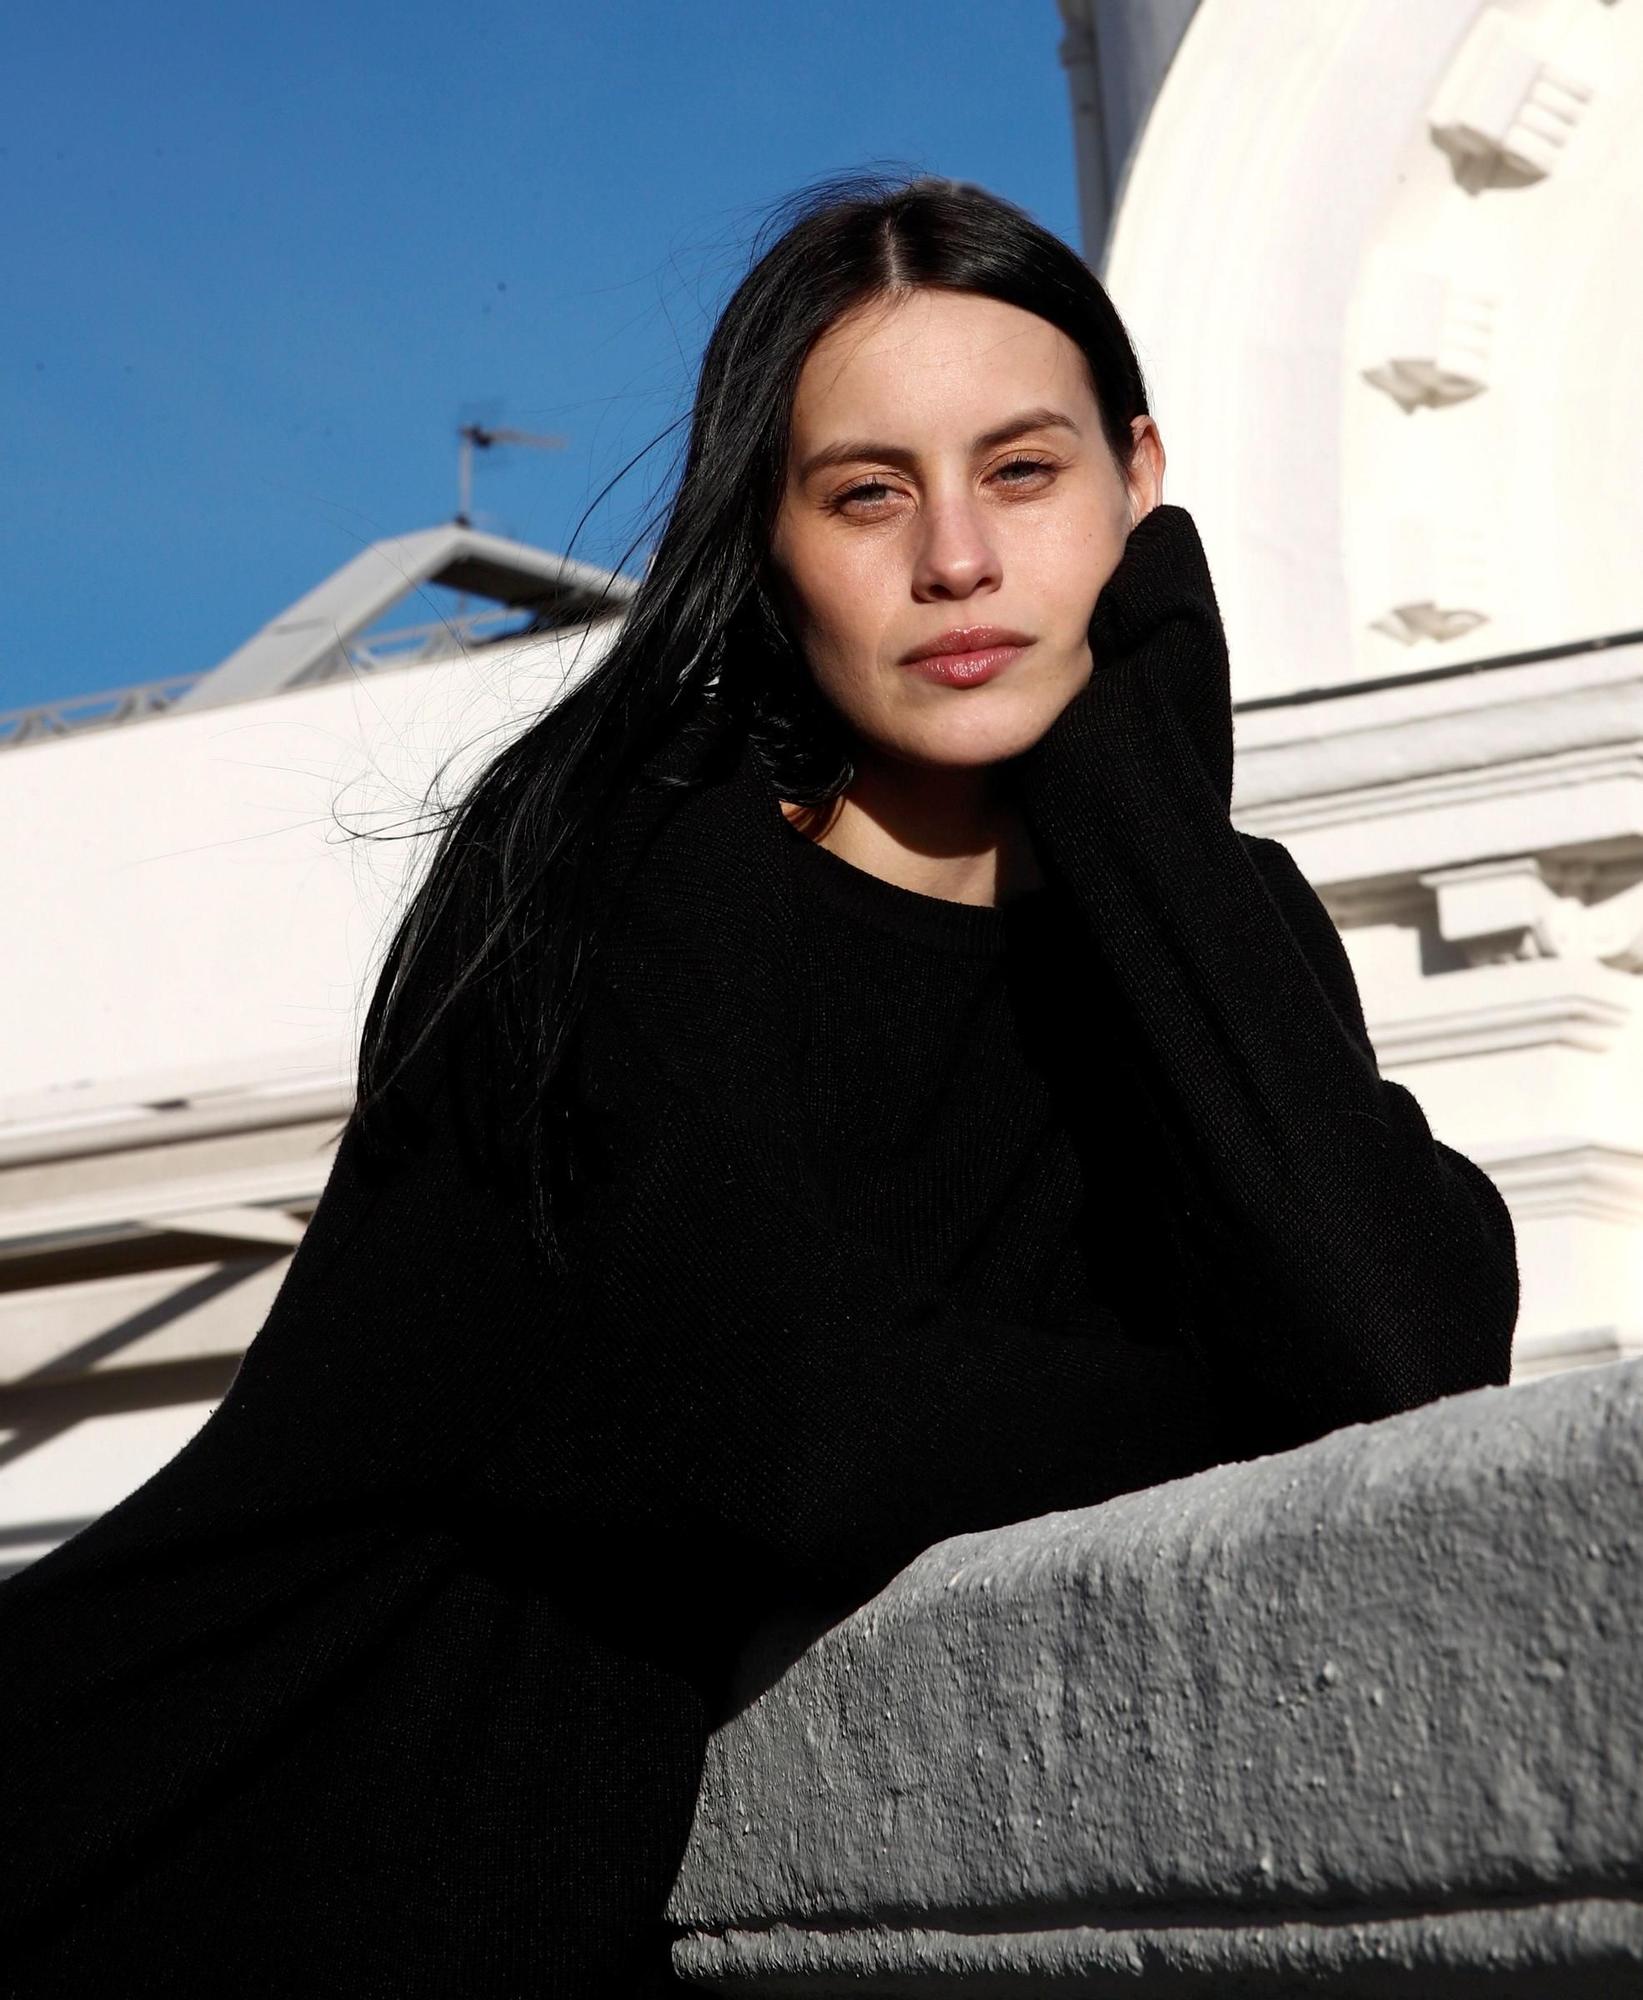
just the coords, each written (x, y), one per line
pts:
(743, 1370)
(1361, 1266)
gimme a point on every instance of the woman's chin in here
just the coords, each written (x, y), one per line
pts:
(970, 742)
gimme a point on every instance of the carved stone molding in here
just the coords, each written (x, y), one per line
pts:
(1499, 910)
(1568, 1176)
(1427, 335)
(1432, 567)
(1447, 1027)
(1506, 110)
(1551, 737)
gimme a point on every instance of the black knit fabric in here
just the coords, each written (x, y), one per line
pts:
(900, 1217)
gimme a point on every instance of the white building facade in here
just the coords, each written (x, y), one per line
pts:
(1381, 267)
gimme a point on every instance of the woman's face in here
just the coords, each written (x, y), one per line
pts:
(948, 472)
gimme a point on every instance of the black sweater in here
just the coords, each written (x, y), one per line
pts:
(905, 1218)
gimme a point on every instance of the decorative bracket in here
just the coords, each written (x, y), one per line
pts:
(1500, 910)
(1505, 111)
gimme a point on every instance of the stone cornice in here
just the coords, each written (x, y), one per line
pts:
(1529, 1004)
(1560, 1176)
(1356, 789)
(1551, 722)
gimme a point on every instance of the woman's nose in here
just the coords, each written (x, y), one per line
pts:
(956, 556)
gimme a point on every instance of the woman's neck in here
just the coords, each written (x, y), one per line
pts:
(945, 833)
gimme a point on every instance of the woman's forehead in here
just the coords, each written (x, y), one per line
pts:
(936, 364)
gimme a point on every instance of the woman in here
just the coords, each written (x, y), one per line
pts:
(842, 1081)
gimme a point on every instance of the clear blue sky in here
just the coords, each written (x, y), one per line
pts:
(263, 260)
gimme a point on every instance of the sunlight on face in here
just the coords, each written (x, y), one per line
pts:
(947, 469)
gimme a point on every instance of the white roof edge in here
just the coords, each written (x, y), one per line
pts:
(352, 598)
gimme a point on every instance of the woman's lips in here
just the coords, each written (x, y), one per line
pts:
(967, 669)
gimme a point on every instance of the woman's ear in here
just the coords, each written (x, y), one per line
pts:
(1145, 474)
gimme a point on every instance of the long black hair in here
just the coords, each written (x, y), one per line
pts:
(502, 922)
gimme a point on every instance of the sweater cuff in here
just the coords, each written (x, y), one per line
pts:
(1159, 653)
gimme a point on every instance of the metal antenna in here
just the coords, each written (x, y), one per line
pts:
(481, 437)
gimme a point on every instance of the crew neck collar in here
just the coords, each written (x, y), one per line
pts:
(979, 929)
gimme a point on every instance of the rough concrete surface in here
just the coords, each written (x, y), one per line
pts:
(1361, 1718)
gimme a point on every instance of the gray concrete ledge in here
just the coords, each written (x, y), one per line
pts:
(1363, 1718)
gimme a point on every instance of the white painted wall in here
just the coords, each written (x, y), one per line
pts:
(185, 887)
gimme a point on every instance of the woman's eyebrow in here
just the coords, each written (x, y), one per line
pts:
(848, 451)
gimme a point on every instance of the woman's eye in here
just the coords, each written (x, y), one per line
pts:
(869, 491)
(1023, 472)
(1028, 466)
